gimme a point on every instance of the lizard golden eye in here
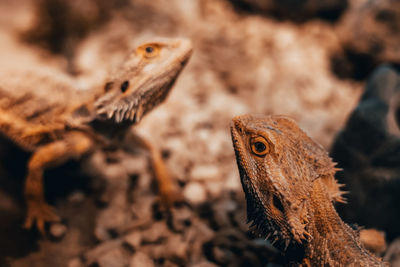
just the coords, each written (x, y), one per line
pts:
(149, 50)
(259, 146)
(124, 86)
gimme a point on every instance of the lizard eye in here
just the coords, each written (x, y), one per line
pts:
(259, 146)
(149, 50)
(124, 86)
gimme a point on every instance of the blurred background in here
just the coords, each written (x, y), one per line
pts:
(307, 59)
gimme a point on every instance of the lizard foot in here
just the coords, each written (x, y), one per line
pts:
(40, 213)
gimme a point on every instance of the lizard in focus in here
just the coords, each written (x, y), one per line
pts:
(288, 180)
(49, 117)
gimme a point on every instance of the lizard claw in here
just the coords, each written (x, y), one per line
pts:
(40, 213)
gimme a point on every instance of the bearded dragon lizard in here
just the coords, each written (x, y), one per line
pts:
(46, 115)
(289, 184)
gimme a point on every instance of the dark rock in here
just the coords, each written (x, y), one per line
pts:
(368, 149)
(393, 253)
(297, 10)
(370, 35)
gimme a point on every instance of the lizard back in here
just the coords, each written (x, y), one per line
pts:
(34, 99)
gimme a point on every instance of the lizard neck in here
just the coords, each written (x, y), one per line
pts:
(334, 243)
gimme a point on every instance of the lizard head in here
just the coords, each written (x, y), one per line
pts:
(143, 80)
(277, 163)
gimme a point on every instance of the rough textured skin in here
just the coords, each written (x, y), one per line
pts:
(288, 180)
(43, 112)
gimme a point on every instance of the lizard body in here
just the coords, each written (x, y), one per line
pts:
(288, 180)
(48, 116)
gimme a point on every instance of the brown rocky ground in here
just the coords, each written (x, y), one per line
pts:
(243, 63)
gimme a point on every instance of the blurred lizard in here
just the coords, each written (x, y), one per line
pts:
(45, 114)
(289, 183)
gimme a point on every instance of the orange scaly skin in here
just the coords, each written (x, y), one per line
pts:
(288, 180)
(44, 113)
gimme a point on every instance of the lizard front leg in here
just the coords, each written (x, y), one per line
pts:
(73, 145)
(167, 189)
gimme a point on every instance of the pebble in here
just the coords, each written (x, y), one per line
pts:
(156, 233)
(195, 193)
(373, 240)
(204, 264)
(393, 253)
(133, 239)
(75, 262)
(76, 197)
(205, 172)
(114, 258)
(141, 259)
(180, 218)
(58, 230)
(177, 249)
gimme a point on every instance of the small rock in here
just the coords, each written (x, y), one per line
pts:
(373, 240)
(195, 193)
(95, 253)
(58, 230)
(76, 262)
(134, 165)
(222, 211)
(214, 188)
(141, 259)
(204, 264)
(155, 251)
(232, 182)
(223, 256)
(133, 239)
(393, 253)
(205, 172)
(156, 233)
(177, 249)
(142, 209)
(101, 233)
(168, 263)
(114, 258)
(180, 218)
(76, 197)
